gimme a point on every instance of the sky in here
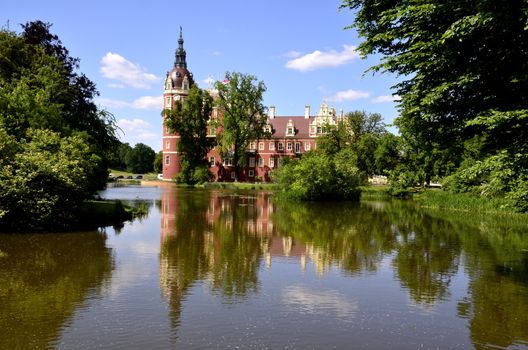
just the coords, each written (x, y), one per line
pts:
(298, 48)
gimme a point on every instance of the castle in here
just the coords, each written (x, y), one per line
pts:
(291, 136)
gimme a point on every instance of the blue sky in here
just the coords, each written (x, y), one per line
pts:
(297, 47)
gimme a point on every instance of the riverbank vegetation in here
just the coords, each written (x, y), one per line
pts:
(462, 97)
(348, 153)
(55, 144)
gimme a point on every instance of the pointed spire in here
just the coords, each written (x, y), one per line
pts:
(181, 61)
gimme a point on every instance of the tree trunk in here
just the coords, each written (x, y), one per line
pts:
(235, 161)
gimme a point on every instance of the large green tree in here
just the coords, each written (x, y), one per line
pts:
(190, 121)
(243, 116)
(54, 141)
(140, 159)
(41, 88)
(464, 71)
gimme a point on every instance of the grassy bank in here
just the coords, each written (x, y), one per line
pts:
(438, 199)
(375, 192)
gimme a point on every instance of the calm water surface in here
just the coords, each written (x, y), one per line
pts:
(212, 269)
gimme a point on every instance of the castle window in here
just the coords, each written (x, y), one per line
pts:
(272, 162)
(280, 146)
(261, 162)
(251, 162)
(167, 160)
(297, 147)
(212, 161)
(167, 145)
(261, 146)
(252, 146)
(272, 146)
(289, 146)
(168, 103)
(290, 130)
(307, 146)
(251, 173)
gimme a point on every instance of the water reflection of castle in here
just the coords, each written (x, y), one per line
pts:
(211, 213)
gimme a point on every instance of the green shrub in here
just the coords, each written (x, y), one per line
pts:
(318, 176)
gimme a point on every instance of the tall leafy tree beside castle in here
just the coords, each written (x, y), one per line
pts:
(190, 121)
(464, 107)
(243, 116)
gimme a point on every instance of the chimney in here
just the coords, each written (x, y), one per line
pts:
(307, 111)
(272, 112)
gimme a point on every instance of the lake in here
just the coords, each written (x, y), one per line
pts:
(237, 270)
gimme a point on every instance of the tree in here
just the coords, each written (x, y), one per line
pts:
(190, 120)
(158, 162)
(318, 176)
(140, 159)
(55, 143)
(43, 179)
(387, 155)
(464, 73)
(41, 89)
(243, 115)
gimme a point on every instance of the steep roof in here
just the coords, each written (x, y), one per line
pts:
(301, 126)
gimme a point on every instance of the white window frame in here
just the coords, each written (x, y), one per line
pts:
(297, 147)
(289, 146)
(272, 162)
(261, 146)
(280, 146)
(252, 145)
(212, 161)
(251, 173)
(271, 146)
(251, 162)
(261, 162)
(167, 144)
(307, 146)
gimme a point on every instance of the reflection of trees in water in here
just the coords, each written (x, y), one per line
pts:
(427, 254)
(343, 234)
(211, 246)
(217, 239)
(45, 278)
(496, 263)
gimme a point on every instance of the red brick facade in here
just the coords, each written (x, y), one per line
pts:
(291, 136)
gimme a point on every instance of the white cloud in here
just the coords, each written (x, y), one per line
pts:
(292, 54)
(109, 103)
(144, 102)
(385, 98)
(116, 67)
(217, 53)
(349, 95)
(134, 125)
(328, 303)
(148, 102)
(138, 130)
(319, 59)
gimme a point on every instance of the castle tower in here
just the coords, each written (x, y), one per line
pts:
(177, 84)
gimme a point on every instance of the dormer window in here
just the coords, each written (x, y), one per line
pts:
(185, 83)
(290, 130)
